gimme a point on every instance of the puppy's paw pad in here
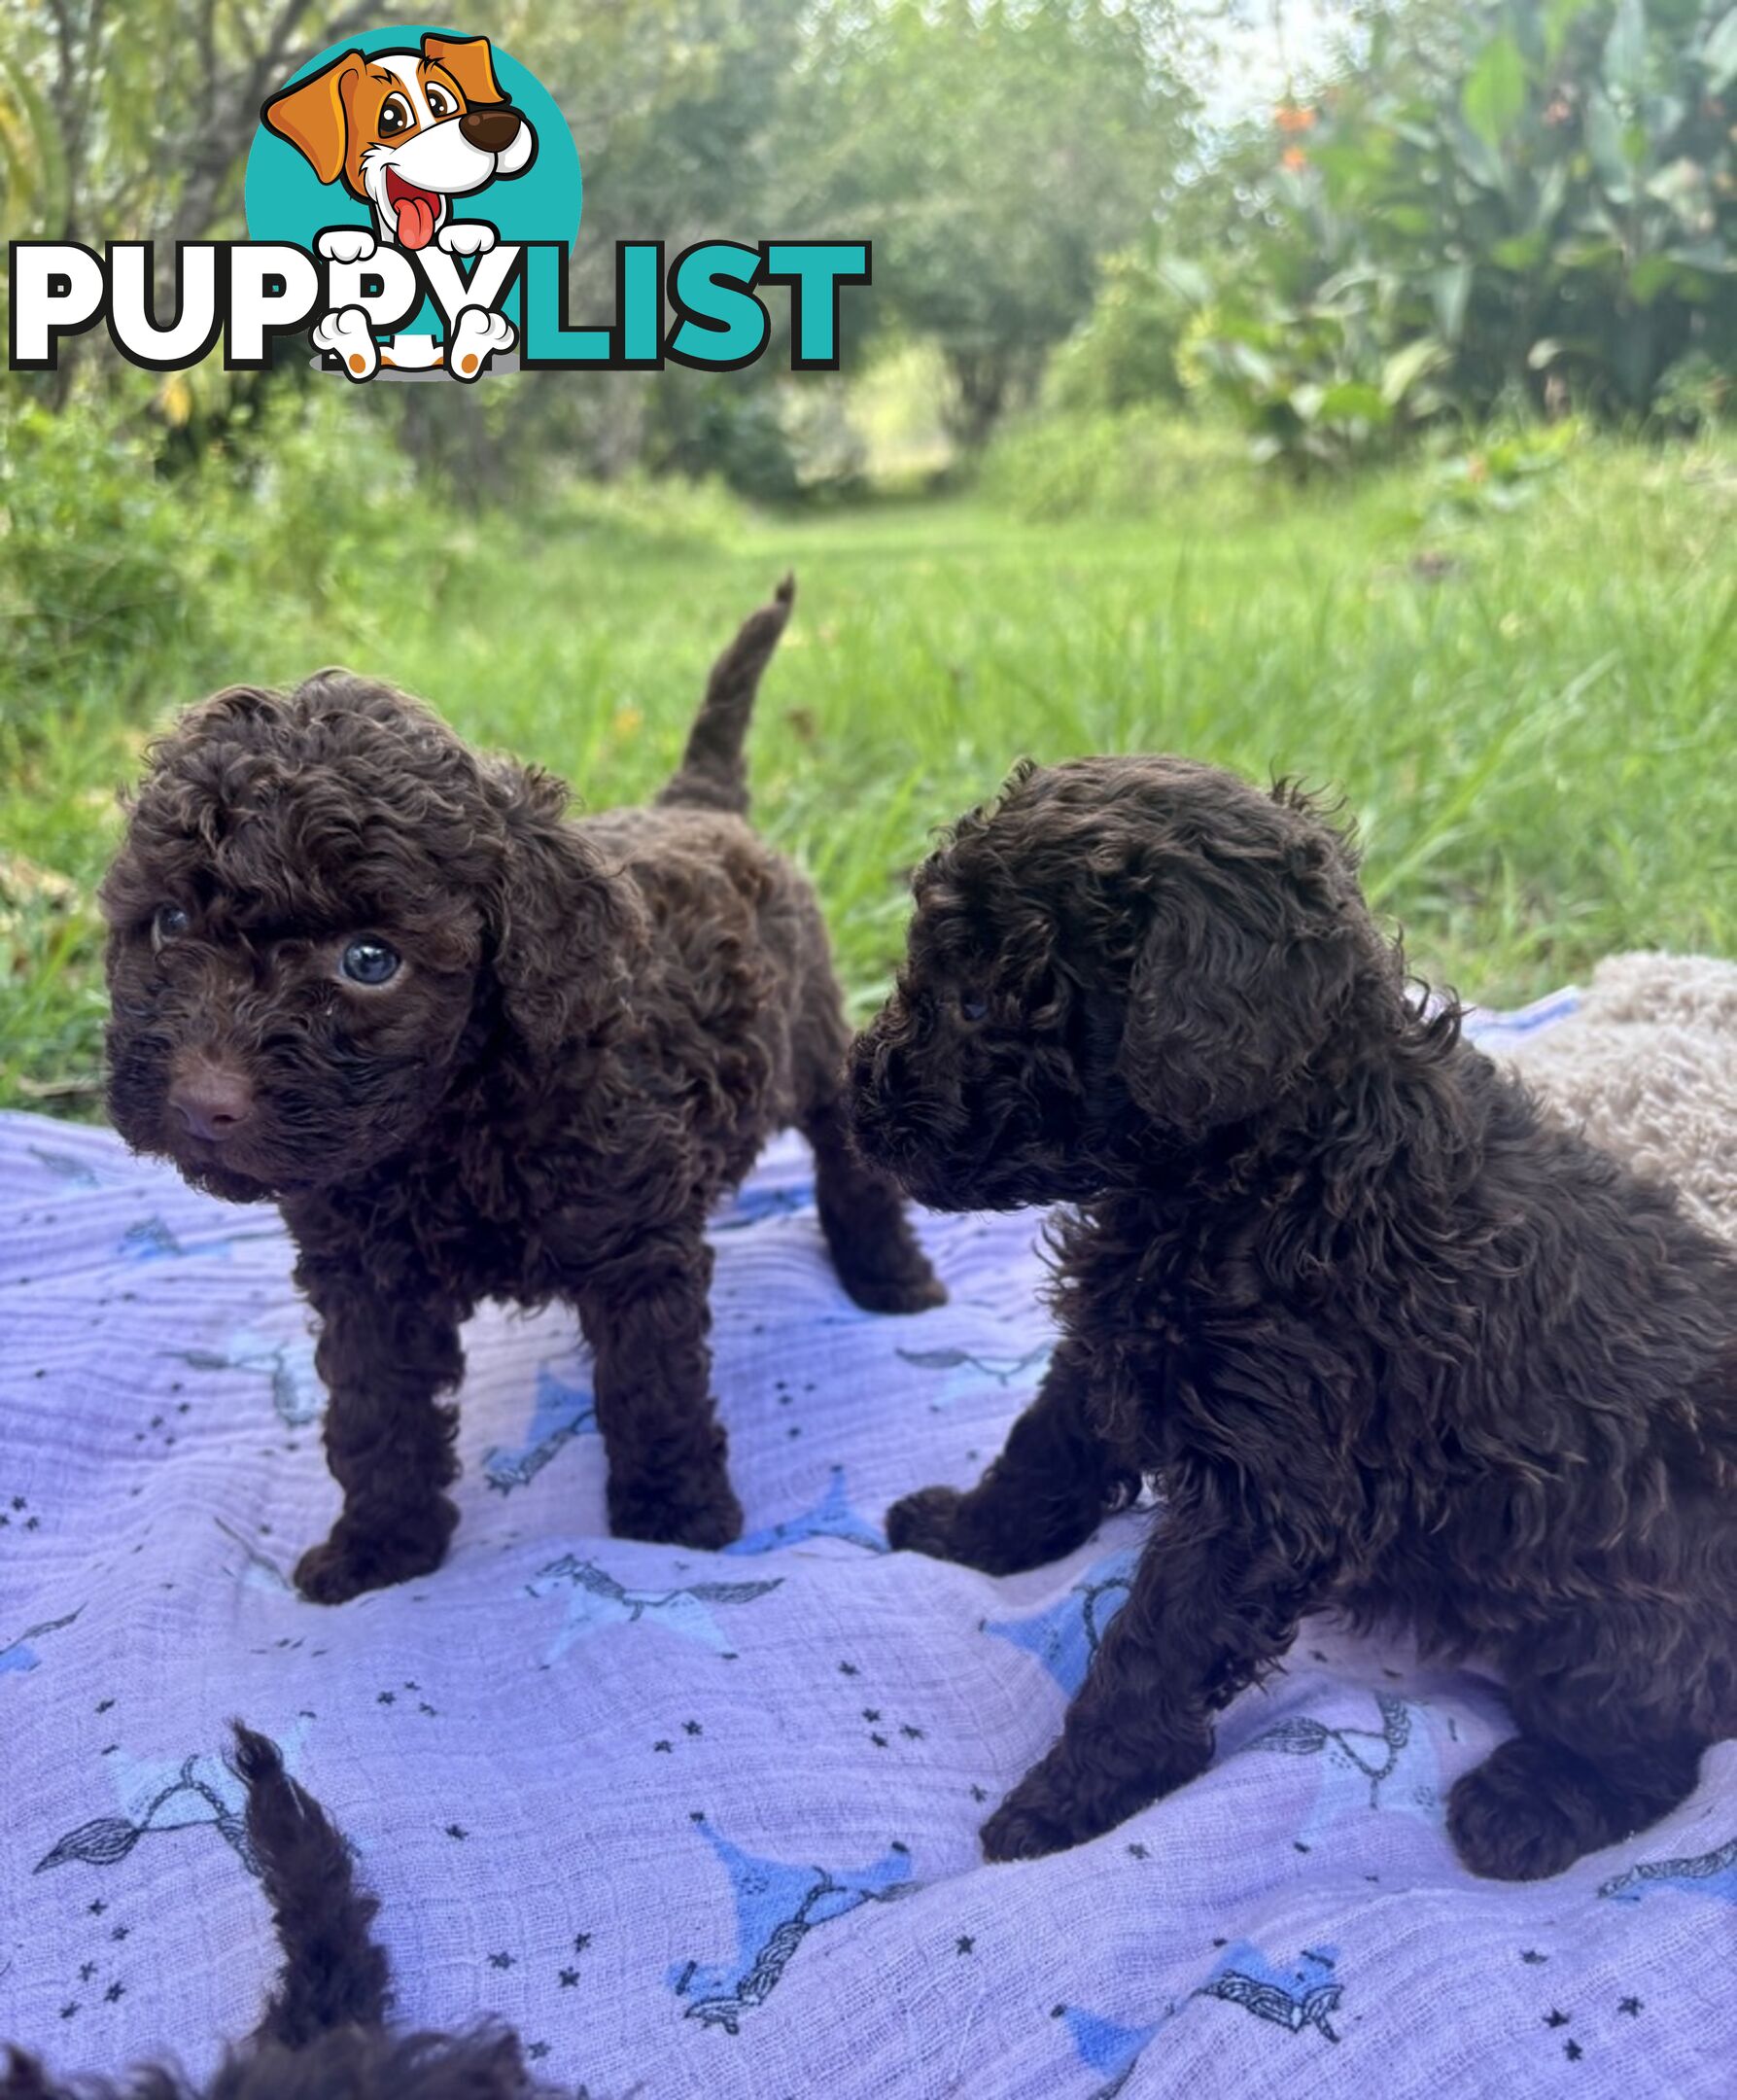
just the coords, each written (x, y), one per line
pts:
(345, 244)
(477, 336)
(467, 237)
(346, 336)
(1506, 1824)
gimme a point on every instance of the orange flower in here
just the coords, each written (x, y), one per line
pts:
(1294, 158)
(1290, 117)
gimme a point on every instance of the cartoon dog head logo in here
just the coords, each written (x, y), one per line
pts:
(405, 131)
(416, 166)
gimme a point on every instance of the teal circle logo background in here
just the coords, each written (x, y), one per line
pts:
(286, 201)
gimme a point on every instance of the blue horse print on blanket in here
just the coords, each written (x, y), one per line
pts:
(1065, 1635)
(777, 1908)
(1293, 1996)
(562, 1410)
(595, 1600)
(832, 1516)
(1390, 1767)
(1704, 1874)
(158, 1796)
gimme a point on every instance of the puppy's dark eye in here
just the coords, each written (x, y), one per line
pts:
(394, 117)
(974, 1009)
(368, 961)
(168, 924)
(441, 103)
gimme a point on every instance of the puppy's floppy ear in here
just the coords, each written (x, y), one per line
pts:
(314, 118)
(563, 927)
(470, 61)
(1244, 975)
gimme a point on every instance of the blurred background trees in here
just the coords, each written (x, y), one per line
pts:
(1459, 210)
(1294, 382)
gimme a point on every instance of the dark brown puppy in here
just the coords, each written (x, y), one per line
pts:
(476, 1050)
(323, 2034)
(1386, 1338)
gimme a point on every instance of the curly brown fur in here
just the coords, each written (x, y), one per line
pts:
(591, 1030)
(1387, 1339)
(323, 2034)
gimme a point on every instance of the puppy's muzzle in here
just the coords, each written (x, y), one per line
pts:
(212, 1100)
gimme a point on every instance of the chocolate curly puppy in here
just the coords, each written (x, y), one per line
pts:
(1386, 1339)
(323, 2034)
(474, 1049)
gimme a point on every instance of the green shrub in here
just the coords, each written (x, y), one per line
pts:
(113, 561)
(1505, 205)
(1139, 463)
(98, 567)
(652, 515)
(1125, 353)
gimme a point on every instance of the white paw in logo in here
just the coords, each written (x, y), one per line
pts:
(347, 335)
(478, 337)
(467, 237)
(346, 244)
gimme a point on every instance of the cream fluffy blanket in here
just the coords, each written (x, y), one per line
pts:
(1648, 1066)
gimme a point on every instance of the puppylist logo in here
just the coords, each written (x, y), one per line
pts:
(412, 197)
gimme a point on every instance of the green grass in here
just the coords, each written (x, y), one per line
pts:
(1533, 725)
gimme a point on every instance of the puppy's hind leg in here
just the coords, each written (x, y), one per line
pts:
(868, 1234)
(1600, 1756)
(872, 1247)
(646, 1316)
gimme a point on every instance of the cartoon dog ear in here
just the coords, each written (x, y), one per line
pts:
(564, 930)
(314, 118)
(471, 63)
(1227, 1003)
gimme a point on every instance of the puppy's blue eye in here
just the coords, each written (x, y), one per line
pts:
(169, 924)
(974, 1009)
(370, 962)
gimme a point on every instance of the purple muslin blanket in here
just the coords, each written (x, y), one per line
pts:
(707, 1824)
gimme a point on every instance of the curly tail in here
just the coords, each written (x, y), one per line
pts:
(334, 1974)
(711, 774)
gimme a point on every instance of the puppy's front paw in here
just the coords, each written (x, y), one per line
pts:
(478, 337)
(709, 1520)
(920, 1291)
(356, 1558)
(467, 237)
(944, 1523)
(345, 244)
(1026, 1826)
(925, 1522)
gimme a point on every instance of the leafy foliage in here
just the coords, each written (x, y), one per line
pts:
(1503, 204)
(1554, 194)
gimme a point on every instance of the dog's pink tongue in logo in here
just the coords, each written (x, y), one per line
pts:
(416, 210)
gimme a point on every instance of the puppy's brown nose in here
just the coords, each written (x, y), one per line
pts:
(213, 1100)
(490, 130)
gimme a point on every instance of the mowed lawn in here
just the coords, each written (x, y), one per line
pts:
(1530, 713)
